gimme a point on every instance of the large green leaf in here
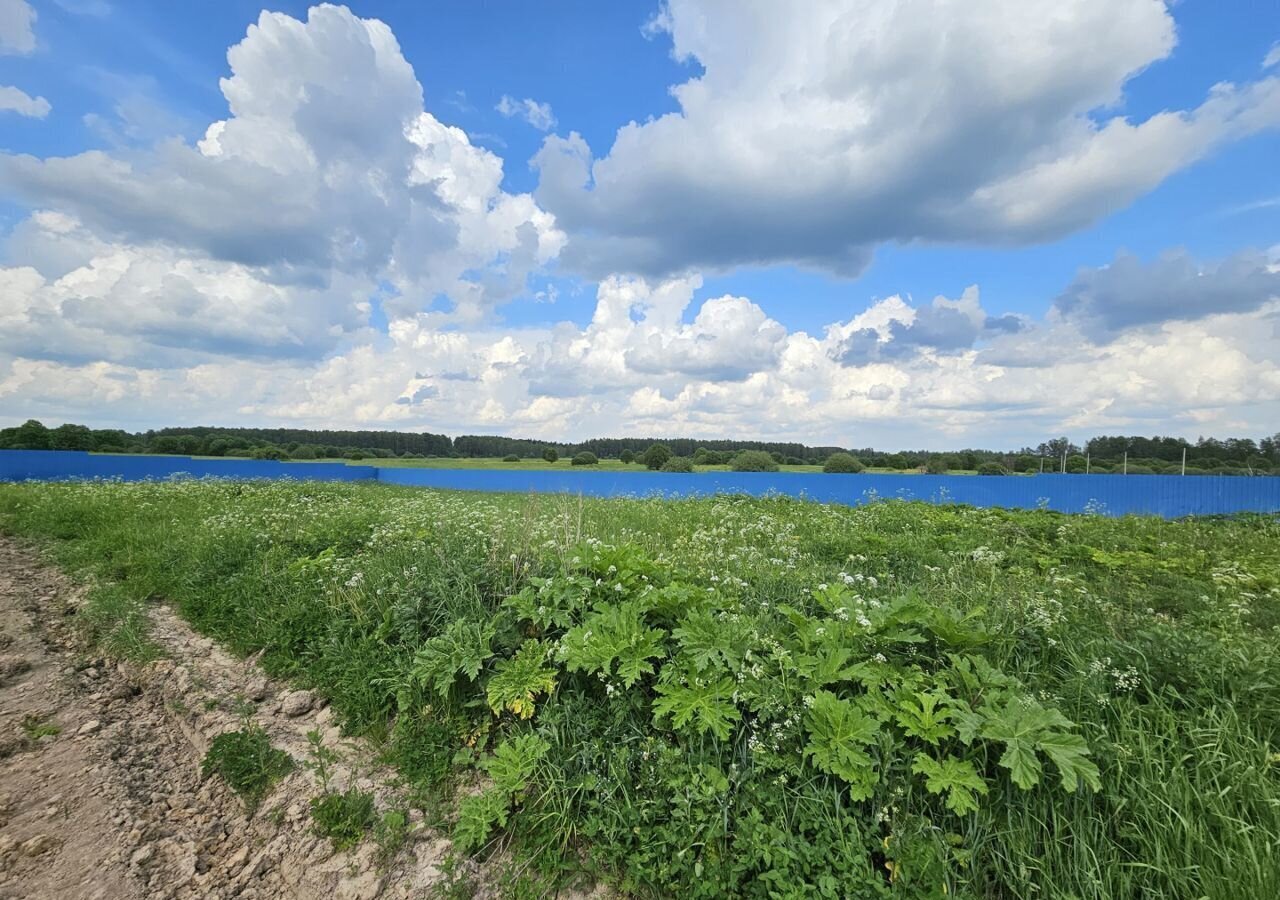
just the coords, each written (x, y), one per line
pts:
(956, 777)
(700, 706)
(838, 734)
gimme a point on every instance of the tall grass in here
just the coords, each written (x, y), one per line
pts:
(1156, 640)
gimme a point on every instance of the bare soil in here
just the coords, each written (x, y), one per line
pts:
(114, 804)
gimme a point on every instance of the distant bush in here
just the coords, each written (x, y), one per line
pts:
(353, 454)
(1026, 464)
(1139, 470)
(655, 456)
(754, 461)
(796, 461)
(585, 459)
(843, 464)
(239, 453)
(936, 466)
(268, 453)
(678, 464)
(303, 452)
(627, 456)
(551, 454)
(511, 457)
(991, 468)
(1076, 464)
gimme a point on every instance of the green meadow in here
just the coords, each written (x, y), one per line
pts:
(746, 697)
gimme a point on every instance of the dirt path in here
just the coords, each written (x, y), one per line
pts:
(113, 804)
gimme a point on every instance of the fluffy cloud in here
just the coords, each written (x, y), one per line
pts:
(812, 137)
(327, 173)
(1128, 293)
(14, 100)
(740, 373)
(893, 330)
(17, 19)
(537, 114)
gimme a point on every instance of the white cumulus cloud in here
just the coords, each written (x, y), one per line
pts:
(17, 27)
(814, 136)
(14, 100)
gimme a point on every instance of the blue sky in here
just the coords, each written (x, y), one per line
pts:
(832, 191)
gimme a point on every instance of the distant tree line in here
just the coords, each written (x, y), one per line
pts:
(1117, 453)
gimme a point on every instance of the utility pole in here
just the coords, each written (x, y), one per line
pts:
(1184, 460)
(1086, 462)
(1126, 463)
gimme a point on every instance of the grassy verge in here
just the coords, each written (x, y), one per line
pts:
(748, 697)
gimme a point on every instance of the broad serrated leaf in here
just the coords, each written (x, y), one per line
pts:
(514, 761)
(1024, 726)
(967, 722)
(614, 640)
(924, 715)
(462, 648)
(707, 642)
(517, 681)
(698, 707)
(957, 777)
(1017, 725)
(552, 602)
(838, 732)
(1069, 753)
(477, 817)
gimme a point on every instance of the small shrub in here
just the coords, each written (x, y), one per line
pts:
(754, 461)
(247, 762)
(585, 459)
(678, 464)
(843, 464)
(936, 466)
(511, 457)
(991, 468)
(627, 456)
(551, 454)
(343, 817)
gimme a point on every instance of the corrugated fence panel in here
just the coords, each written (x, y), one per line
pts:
(1163, 495)
(1170, 496)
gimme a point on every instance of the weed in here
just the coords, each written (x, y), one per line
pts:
(390, 832)
(343, 817)
(247, 762)
(37, 726)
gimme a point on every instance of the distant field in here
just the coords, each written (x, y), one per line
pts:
(607, 465)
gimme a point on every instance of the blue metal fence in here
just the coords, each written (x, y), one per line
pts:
(62, 465)
(1170, 496)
